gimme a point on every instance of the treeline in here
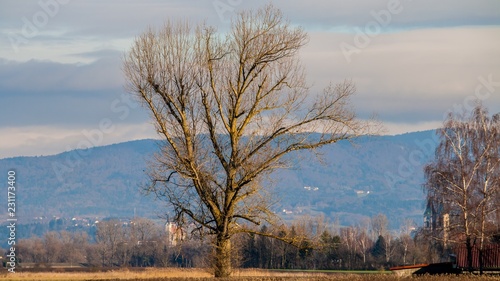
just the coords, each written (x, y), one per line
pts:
(140, 242)
(318, 246)
(307, 244)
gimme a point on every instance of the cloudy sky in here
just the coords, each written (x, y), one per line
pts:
(61, 84)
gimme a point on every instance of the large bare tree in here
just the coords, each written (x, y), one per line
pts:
(229, 108)
(463, 181)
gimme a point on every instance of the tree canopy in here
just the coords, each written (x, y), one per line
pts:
(228, 107)
(463, 181)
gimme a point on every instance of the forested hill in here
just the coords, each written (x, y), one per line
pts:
(347, 182)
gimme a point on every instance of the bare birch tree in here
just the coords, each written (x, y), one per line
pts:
(228, 108)
(463, 180)
(405, 238)
(364, 242)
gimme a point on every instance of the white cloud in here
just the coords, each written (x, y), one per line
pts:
(48, 140)
(413, 75)
(394, 128)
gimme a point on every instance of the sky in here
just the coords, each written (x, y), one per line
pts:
(62, 85)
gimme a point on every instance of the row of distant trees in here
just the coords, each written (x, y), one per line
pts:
(138, 243)
(309, 243)
(317, 246)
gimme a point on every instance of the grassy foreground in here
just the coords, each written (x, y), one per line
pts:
(176, 274)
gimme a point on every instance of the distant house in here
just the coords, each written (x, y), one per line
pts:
(175, 233)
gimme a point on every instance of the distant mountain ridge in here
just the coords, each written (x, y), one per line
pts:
(350, 183)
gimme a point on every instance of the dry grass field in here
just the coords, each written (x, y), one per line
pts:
(118, 274)
(176, 274)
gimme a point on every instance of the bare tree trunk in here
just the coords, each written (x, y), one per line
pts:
(469, 253)
(481, 242)
(222, 257)
(405, 253)
(481, 261)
